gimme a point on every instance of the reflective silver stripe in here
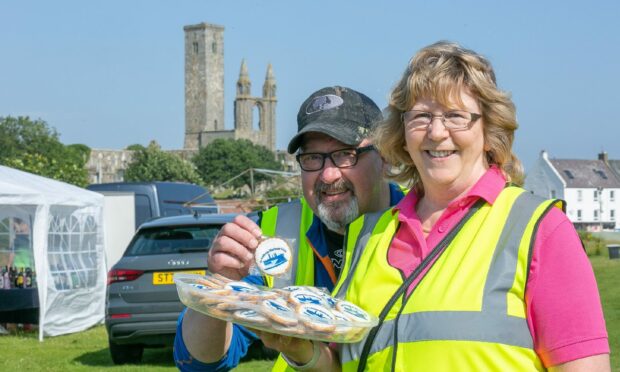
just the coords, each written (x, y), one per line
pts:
(287, 226)
(370, 220)
(447, 325)
(504, 263)
(492, 324)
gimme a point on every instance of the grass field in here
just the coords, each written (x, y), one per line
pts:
(87, 351)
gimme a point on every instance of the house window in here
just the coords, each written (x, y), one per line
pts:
(553, 194)
(595, 215)
(579, 195)
(595, 195)
(611, 195)
(578, 214)
(612, 214)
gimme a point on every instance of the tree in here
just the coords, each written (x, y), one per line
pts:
(152, 164)
(224, 159)
(34, 147)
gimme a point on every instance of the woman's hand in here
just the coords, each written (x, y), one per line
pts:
(297, 349)
(302, 352)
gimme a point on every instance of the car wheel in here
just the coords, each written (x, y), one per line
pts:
(123, 354)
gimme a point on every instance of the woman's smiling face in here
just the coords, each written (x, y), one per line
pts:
(448, 159)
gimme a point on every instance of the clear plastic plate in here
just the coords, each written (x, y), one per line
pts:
(304, 312)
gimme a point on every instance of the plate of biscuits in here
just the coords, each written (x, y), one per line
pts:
(297, 311)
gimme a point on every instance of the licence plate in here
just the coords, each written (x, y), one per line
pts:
(160, 278)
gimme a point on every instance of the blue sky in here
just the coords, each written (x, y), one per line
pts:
(110, 73)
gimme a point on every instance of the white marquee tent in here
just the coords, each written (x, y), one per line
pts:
(61, 226)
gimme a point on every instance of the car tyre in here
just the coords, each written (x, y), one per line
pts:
(125, 354)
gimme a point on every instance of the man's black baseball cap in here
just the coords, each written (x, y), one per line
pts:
(342, 113)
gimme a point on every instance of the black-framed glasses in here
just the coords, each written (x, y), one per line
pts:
(345, 158)
(456, 119)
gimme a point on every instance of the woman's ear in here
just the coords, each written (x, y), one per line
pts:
(486, 147)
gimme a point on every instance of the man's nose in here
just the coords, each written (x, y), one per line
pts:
(330, 173)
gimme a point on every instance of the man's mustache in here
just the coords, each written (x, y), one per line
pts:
(338, 186)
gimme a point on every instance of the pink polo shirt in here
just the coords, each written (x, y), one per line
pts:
(564, 311)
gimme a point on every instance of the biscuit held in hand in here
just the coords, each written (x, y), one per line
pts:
(273, 256)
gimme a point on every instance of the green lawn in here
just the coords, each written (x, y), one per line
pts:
(88, 350)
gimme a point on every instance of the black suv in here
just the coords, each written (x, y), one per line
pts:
(142, 304)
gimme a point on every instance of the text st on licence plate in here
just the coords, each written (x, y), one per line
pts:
(160, 278)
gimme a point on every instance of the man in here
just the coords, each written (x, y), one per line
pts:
(341, 177)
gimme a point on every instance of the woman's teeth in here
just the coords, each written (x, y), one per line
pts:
(440, 154)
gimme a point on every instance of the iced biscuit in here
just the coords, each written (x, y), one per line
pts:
(213, 296)
(241, 288)
(217, 313)
(352, 312)
(220, 278)
(343, 328)
(304, 296)
(317, 317)
(251, 316)
(273, 256)
(293, 331)
(278, 311)
(208, 282)
(293, 288)
(247, 291)
(232, 304)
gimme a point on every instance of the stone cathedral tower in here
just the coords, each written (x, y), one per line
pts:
(204, 82)
(204, 106)
(204, 94)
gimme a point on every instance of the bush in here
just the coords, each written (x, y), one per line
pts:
(593, 245)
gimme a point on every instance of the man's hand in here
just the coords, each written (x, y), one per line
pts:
(233, 249)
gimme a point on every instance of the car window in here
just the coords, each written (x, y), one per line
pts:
(143, 209)
(172, 239)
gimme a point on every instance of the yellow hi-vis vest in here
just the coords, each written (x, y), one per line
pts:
(291, 221)
(468, 312)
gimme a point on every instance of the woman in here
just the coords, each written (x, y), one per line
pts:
(468, 271)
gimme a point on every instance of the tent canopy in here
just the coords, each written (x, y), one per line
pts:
(55, 229)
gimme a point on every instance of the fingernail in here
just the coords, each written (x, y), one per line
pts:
(257, 232)
(249, 256)
(253, 243)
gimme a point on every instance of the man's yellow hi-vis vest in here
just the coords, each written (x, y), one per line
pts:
(291, 221)
(468, 312)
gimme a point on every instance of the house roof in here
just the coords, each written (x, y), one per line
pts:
(615, 166)
(587, 173)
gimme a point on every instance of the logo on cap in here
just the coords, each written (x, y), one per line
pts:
(322, 103)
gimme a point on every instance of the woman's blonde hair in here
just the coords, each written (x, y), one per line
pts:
(440, 71)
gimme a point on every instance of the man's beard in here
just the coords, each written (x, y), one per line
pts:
(336, 215)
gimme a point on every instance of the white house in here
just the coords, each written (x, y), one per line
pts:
(591, 188)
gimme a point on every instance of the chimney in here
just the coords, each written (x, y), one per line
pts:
(603, 156)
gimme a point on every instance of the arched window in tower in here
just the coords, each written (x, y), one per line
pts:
(214, 47)
(195, 45)
(256, 124)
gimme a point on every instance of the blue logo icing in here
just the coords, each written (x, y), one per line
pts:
(240, 288)
(277, 306)
(354, 311)
(305, 299)
(275, 257)
(316, 313)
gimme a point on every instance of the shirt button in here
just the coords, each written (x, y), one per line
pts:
(441, 228)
